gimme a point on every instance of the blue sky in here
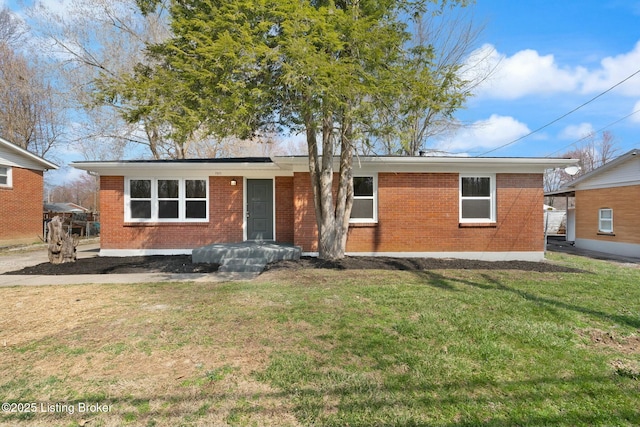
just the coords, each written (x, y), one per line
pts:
(549, 57)
(553, 56)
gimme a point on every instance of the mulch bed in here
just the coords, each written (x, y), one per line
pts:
(121, 265)
(418, 264)
(182, 264)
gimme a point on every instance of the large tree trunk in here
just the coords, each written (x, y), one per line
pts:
(332, 215)
(62, 247)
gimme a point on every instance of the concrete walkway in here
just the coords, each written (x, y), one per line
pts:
(559, 244)
(11, 260)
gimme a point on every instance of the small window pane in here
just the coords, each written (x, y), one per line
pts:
(167, 189)
(363, 186)
(606, 225)
(196, 189)
(606, 220)
(476, 187)
(197, 209)
(140, 188)
(140, 209)
(362, 208)
(476, 209)
(168, 209)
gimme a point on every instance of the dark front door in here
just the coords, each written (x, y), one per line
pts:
(259, 209)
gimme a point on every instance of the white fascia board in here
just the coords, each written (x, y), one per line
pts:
(438, 164)
(34, 161)
(246, 169)
(584, 186)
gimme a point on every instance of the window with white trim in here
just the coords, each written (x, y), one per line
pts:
(5, 176)
(477, 198)
(166, 200)
(365, 204)
(605, 220)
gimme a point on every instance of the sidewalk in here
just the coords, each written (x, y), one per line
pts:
(20, 258)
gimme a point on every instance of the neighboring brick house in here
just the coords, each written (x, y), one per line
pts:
(606, 217)
(479, 208)
(21, 194)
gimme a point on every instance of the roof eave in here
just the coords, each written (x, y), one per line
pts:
(423, 163)
(615, 162)
(46, 165)
(122, 168)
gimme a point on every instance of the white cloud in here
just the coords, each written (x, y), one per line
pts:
(576, 131)
(524, 73)
(613, 70)
(527, 72)
(636, 117)
(484, 134)
(63, 175)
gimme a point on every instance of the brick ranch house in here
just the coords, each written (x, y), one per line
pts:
(461, 207)
(21, 194)
(606, 217)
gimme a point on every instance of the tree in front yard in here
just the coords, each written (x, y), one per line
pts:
(320, 67)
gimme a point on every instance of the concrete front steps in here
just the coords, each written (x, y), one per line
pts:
(244, 257)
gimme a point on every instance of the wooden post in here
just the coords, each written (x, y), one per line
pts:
(62, 247)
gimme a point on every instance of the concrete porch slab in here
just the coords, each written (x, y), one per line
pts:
(244, 256)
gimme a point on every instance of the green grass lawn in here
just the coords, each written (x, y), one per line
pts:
(333, 348)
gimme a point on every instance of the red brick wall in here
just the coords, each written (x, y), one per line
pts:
(625, 202)
(419, 213)
(416, 213)
(284, 209)
(304, 221)
(21, 208)
(225, 218)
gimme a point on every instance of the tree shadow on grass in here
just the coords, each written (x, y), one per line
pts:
(360, 402)
(356, 397)
(441, 281)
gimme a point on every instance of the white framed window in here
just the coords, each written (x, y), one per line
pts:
(138, 207)
(166, 200)
(5, 176)
(365, 199)
(478, 198)
(605, 220)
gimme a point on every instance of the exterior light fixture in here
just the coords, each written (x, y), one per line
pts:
(234, 181)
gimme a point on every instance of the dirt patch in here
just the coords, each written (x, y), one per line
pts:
(418, 264)
(625, 345)
(121, 265)
(627, 349)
